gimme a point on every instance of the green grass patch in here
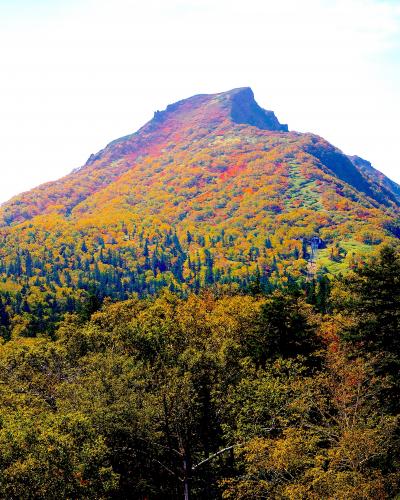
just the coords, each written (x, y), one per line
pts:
(351, 247)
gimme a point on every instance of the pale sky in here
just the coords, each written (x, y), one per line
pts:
(77, 74)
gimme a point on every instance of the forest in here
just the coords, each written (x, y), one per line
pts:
(225, 392)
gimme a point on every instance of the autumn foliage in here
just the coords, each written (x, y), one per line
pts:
(198, 196)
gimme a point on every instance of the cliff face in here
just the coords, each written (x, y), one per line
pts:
(244, 109)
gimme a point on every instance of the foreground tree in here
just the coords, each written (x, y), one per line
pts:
(368, 302)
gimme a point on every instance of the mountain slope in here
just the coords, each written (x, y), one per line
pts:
(212, 190)
(392, 189)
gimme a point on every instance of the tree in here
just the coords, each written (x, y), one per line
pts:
(286, 327)
(374, 301)
(370, 301)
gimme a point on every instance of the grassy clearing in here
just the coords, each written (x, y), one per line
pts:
(352, 248)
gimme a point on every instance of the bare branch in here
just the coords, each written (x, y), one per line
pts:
(167, 468)
(211, 457)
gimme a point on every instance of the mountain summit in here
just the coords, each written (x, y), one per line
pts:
(214, 111)
(237, 105)
(214, 189)
(244, 109)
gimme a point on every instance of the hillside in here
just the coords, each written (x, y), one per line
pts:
(212, 190)
(369, 171)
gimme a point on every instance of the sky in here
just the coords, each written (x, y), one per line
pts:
(77, 74)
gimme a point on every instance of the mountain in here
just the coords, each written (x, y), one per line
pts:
(214, 189)
(189, 125)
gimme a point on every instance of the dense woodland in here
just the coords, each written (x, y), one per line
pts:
(291, 392)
